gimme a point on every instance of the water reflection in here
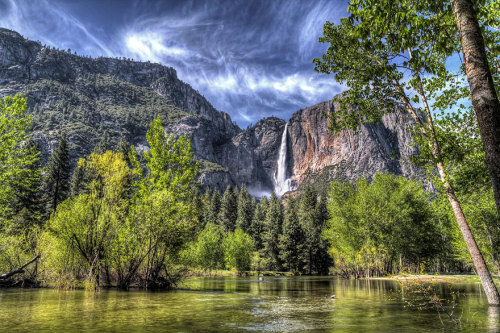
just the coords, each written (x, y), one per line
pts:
(231, 304)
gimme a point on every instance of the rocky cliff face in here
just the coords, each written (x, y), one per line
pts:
(314, 155)
(88, 98)
(383, 147)
(252, 155)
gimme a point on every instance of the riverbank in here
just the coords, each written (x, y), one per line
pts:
(440, 278)
(229, 273)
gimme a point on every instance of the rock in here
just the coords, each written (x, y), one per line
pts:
(251, 156)
(383, 147)
(88, 97)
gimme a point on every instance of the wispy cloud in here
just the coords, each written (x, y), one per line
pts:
(51, 24)
(249, 58)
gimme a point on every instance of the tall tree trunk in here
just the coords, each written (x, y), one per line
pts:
(477, 258)
(427, 129)
(484, 96)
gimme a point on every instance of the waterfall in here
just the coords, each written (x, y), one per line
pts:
(281, 182)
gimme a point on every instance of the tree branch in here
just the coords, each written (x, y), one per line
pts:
(19, 269)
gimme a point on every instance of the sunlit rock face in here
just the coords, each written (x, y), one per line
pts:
(90, 97)
(383, 147)
(313, 154)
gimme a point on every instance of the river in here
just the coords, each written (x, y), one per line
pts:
(276, 304)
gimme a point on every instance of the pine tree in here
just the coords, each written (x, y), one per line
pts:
(77, 180)
(292, 240)
(213, 209)
(16, 158)
(28, 199)
(258, 220)
(101, 147)
(322, 260)
(199, 207)
(123, 147)
(58, 175)
(207, 201)
(245, 210)
(308, 218)
(228, 210)
(273, 229)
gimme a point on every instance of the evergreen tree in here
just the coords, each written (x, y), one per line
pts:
(258, 221)
(123, 147)
(77, 180)
(16, 158)
(207, 201)
(308, 216)
(292, 240)
(212, 212)
(28, 206)
(199, 207)
(57, 180)
(245, 210)
(228, 210)
(101, 147)
(273, 229)
(322, 260)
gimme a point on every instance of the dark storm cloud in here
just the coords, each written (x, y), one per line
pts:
(249, 58)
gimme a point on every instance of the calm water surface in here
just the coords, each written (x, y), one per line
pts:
(299, 304)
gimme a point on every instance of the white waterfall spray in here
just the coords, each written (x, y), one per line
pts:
(281, 182)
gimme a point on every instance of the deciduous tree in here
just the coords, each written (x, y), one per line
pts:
(385, 52)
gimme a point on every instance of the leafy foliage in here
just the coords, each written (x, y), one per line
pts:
(17, 156)
(238, 249)
(105, 231)
(381, 227)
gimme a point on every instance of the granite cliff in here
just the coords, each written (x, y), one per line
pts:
(315, 155)
(91, 98)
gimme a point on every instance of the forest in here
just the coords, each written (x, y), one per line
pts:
(138, 219)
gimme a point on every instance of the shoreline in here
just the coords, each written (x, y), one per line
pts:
(437, 278)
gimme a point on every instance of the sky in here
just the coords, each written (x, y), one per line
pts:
(252, 59)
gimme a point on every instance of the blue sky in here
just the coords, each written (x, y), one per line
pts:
(251, 59)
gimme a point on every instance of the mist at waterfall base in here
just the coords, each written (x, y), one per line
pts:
(282, 183)
(259, 192)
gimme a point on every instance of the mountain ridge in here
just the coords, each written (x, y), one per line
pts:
(88, 98)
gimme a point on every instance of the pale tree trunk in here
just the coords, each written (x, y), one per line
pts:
(484, 96)
(428, 131)
(477, 258)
